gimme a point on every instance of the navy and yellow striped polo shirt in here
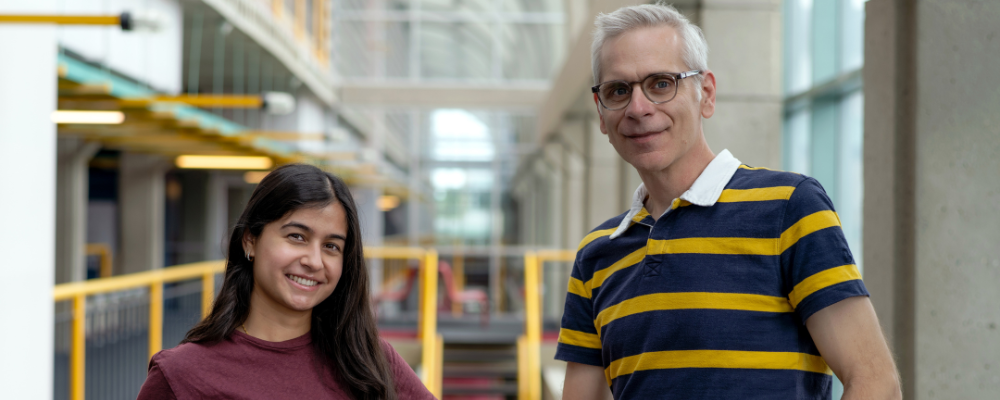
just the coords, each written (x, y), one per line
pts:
(710, 300)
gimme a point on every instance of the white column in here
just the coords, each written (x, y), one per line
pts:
(27, 203)
(141, 198)
(71, 208)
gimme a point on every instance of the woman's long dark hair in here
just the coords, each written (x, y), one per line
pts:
(344, 330)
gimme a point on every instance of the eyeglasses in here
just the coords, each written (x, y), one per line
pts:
(658, 88)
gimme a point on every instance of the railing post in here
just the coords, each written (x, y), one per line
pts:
(78, 349)
(428, 323)
(532, 324)
(207, 293)
(155, 317)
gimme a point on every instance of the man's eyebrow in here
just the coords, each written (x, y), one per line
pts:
(301, 226)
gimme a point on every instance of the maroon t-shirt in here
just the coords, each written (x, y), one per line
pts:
(244, 367)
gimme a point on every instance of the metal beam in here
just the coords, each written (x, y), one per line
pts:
(430, 95)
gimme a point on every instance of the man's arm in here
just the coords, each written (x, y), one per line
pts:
(849, 338)
(585, 382)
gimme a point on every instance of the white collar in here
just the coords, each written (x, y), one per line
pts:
(704, 192)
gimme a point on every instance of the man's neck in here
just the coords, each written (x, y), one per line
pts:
(668, 184)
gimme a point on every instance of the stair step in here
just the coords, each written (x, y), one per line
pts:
(505, 371)
(482, 387)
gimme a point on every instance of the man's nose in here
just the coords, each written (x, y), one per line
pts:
(639, 106)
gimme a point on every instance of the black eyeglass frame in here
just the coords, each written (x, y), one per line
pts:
(596, 89)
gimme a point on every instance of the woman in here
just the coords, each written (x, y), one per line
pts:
(293, 318)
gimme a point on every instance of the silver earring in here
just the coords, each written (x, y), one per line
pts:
(248, 257)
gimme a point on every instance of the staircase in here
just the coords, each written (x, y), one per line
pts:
(480, 361)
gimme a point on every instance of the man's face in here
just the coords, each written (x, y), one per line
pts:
(652, 137)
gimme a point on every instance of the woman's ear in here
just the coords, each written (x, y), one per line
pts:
(248, 244)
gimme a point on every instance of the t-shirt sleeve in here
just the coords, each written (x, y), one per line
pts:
(817, 265)
(156, 386)
(578, 338)
(408, 385)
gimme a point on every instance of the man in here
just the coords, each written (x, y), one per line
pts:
(722, 281)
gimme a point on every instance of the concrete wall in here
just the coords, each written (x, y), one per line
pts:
(932, 206)
(744, 40)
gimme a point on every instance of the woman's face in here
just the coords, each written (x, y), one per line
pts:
(298, 259)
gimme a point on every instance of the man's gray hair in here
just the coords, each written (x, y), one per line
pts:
(625, 19)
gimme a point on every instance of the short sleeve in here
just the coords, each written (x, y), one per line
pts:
(578, 338)
(156, 386)
(817, 265)
(408, 385)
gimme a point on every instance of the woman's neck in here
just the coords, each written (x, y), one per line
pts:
(273, 325)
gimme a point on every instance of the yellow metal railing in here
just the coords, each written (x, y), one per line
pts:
(432, 343)
(154, 280)
(529, 363)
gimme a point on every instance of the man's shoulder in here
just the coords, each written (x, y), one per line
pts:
(603, 230)
(610, 223)
(747, 177)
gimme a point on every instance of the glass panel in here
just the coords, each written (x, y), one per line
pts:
(397, 45)
(360, 5)
(798, 62)
(852, 34)
(463, 204)
(455, 50)
(531, 51)
(851, 177)
(824, 41)
(354, 44)
(823, 157)
(477, 6)
(531, 5)
(797, 142)
(459, 135)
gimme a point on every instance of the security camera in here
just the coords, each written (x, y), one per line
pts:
(277, 103)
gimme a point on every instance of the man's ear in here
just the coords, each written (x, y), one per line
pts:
(708, 95)
(597, 102)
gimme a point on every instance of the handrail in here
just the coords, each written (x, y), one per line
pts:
(529, 383)
(431, 342)
(78, 292)
(67, 291)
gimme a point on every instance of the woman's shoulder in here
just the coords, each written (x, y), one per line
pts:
(188, 355)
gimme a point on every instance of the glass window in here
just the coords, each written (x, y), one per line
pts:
(530, 5)
(455, 50)
(354, 47)
(823, 126)
(476, 6)
(530, 51)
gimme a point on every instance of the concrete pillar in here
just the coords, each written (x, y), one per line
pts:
(71, 208)
(217, 229)
(932, 192)
(607, 195)
(744, 39)
(372, 227)
(141, 182)
(28, 203)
